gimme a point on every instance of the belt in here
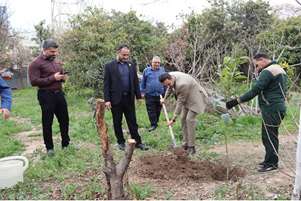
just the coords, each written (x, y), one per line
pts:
(51, 90)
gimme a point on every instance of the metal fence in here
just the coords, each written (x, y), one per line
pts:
(20, 79)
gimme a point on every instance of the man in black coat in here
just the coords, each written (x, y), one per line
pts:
(120, 88)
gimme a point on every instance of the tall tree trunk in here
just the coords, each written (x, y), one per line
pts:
(297, 188)
(114, 173)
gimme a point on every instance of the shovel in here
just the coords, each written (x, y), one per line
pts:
(173, 140)
(180, 153)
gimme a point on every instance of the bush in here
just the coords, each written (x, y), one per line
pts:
(92, 40)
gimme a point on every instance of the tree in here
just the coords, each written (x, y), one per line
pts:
(93, 38)
(42, 33)
(4, 37)
(224, 29)
(12, 52)
(21, 55)
(283, 41)
(144, 39)
(113, 171)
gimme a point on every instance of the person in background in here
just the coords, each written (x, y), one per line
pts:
(271, 88)
(190, 96)
(46, 73)
(120, 88)
(6, 99)
(151, 89)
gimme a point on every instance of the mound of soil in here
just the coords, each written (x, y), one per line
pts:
(180, 153)
(219, 172)
(169, 167)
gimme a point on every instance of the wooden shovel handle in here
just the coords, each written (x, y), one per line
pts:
(170, 127)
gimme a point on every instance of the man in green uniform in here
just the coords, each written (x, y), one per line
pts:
(271, 87)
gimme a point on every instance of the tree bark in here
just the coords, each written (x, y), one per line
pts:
(114, 173)
(297, 188)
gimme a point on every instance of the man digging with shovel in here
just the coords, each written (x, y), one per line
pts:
(190, 98)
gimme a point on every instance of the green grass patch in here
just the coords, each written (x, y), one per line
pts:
(238, 192)
(25, 104)
(8, 142)
(140, 191)
(50, 172)
(211, 129)
(290, 123)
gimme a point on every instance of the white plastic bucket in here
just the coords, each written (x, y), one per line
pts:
(11, 170)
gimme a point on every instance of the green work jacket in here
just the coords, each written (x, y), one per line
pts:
(271, 88)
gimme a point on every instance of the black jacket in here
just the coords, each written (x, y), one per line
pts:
(112, 81)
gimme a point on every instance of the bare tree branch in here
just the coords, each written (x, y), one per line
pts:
(114, 173)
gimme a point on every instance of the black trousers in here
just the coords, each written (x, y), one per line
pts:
(153, 107)
(270, 126)
(54, 103)
(126, 107)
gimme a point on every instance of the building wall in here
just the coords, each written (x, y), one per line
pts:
(20, 79)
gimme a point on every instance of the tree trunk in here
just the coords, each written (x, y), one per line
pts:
(114, 173)
(297, 188)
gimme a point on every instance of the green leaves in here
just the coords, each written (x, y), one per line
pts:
(92, 40)
(231, 78)
(42, 32)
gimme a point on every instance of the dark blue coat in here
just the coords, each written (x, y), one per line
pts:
(5, 93)
(112, 82)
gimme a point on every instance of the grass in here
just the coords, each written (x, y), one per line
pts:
(69, 164)
(76, 174)
(9, 145)
(238, 192)
(25, 104)
(211, 128)
(141, 192)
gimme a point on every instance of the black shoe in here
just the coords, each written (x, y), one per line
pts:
(262, 164)
(142, 147)
(267, 168)
(121, 146)
(50, 152)
(152, 128)
(191, 150)
(185, 147)
(71, 146)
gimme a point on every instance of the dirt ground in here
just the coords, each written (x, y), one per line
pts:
(199, 178)
(169, 167)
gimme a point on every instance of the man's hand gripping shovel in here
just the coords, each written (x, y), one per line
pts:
(173, 140)
(178, 151)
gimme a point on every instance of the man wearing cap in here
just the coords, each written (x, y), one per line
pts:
(48, 75)
(6, 99)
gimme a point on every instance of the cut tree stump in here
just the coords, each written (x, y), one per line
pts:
(114, 172)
